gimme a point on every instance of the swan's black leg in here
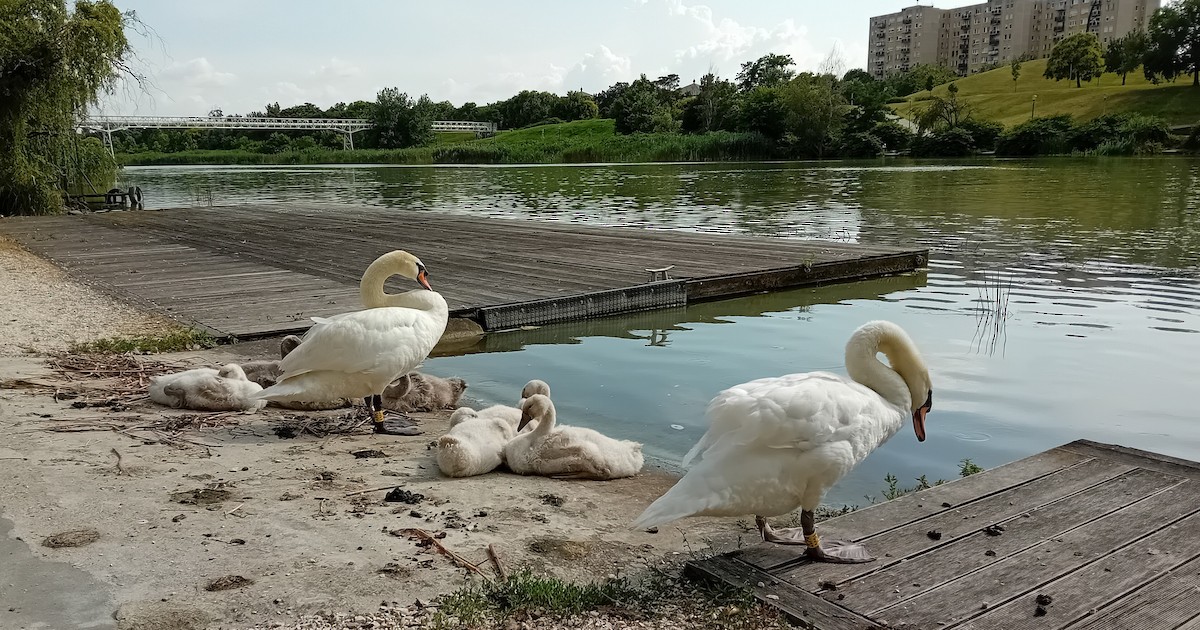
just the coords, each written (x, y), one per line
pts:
(402, 426)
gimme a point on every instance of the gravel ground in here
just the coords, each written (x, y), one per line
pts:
(34, 290)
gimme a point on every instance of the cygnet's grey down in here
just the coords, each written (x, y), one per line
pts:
(266, 372)
(206, 389)
(423, 392)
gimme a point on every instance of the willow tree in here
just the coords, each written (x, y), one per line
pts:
(55, 61)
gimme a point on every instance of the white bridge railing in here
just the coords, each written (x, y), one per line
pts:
(106, 125)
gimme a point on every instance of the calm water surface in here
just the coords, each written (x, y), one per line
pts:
(1062, 300)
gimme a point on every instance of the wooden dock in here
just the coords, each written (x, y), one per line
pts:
(260, 270)
(1084, 536)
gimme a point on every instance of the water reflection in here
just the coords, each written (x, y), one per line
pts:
(1062, 300)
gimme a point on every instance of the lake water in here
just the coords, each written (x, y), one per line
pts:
(1062, 299)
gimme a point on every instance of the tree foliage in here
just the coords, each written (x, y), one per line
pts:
(54, 63)
(816, 113)
(770, 70)
(715, 108)
(1125, 54)
(1078, 58)
(399, 121)
(1173, 42)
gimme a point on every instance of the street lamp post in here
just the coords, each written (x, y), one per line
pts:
(1033, 108)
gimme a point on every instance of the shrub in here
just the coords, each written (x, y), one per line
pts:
(861, 145)
(951, 142)
(984, 133)
(894, 136)
(1192, 144)
(1040, 136)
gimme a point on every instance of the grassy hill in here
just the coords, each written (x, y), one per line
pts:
(993, 96)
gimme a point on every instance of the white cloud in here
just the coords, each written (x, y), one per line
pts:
(336, 69)
(598, 70)
(198, 72)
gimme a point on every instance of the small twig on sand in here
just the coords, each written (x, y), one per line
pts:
(457, 559)
(495, 558)
(357, 492)
(235, 508)
(120, 469)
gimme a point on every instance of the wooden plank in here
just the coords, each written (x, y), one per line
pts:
(259, 256)
(799, 605)
(1157, 461)
(1079, 593)
(1022, 572)
(948, 562)
(910, 539)
(1169, 602)
(881, 517)
(1191, 624)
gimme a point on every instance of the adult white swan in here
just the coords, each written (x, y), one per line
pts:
(357, 354)
(775, 444)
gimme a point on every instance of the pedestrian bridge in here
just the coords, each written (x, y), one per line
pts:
(106, 125)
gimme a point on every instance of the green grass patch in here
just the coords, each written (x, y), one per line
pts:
(993, 95)
(658, 595)
(176, 340)
(584, 141)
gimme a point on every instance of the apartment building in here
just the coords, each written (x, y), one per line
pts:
(981, 36)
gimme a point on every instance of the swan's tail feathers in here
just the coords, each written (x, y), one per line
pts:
(280, 391)
(701, 446)
(665, 509)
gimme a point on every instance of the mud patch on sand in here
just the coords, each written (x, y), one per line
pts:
(73, 538)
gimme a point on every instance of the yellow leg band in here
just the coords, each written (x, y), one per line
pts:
(378, 416)
(812, 540)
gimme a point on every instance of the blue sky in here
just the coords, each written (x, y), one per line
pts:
(240, 55)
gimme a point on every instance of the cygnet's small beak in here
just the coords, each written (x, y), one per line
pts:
(423, 279)
(525, 419)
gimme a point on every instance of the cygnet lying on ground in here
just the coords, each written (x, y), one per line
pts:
(567, 452)
(206, 389)
(422, 392)
(475, 443)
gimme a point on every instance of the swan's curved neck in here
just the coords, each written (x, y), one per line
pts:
(373, 295)
(864, 366)
(546, 421)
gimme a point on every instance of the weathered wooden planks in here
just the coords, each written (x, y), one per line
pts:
(1093, 536)
(254, 270)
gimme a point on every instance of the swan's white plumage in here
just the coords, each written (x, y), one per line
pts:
(357, 354)
(778, 443)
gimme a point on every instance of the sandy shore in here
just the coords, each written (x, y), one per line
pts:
(178, 500)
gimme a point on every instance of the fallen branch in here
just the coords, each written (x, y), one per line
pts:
(120, 468)
(495, 558)
(358, 492)
(457, 559)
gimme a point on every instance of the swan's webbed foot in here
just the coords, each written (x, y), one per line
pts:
(816, 550)
(403, 425)
(839, 552)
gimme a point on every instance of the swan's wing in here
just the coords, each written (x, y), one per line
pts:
(377, 339)
(797, 411)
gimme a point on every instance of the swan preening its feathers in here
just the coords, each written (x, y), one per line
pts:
(358, 354)
(775, 444)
